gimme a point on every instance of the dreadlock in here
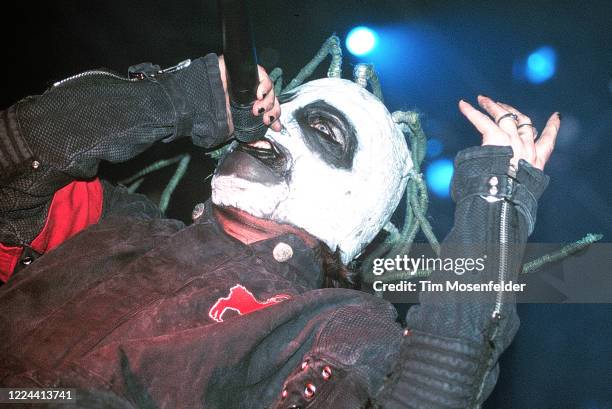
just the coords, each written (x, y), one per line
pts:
(336, 274)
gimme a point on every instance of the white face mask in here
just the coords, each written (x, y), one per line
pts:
(337, 170)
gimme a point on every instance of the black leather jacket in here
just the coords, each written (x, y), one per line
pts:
(130, 311)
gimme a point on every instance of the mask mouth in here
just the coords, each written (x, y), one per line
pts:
(267, 152)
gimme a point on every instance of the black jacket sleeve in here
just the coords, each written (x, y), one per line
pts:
(454, 339)
(49, 140)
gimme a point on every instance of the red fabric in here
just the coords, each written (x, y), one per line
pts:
(74, 207)
(9, 256)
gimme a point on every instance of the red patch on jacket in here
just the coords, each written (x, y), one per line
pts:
(242, 301)
(73, 208)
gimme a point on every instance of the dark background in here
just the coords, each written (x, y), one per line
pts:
(443, 51)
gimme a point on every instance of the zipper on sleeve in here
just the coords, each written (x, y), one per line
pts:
(174, 68)
(503, 252)
(496, 315)
(90, 73)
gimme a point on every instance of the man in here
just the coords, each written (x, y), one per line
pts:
(134, 310)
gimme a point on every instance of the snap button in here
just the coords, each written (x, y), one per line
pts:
(493, 190)
(198, 211)
(493, 181)
(282, 252)
(26, 261)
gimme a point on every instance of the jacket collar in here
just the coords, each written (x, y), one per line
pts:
(288, 254)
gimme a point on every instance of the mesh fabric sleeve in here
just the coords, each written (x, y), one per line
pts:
(49, 140)
(454, 338)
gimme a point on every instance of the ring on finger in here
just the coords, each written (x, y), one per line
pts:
(508, 115)
(535, 131)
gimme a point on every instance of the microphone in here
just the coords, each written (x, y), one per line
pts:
(241, 69)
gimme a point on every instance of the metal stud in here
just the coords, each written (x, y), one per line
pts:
(309, 390)
(282, 252)
(284, 393)
(35, 164)
(326, 373)
(305, 364)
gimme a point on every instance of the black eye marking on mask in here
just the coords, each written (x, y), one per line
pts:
(328, 132)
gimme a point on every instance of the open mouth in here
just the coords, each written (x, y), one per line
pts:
(266, 152)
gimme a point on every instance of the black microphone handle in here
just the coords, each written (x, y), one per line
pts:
(241, 69)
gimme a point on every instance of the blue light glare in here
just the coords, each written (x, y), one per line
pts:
(541, 65)
(361, 40)
(438, 175)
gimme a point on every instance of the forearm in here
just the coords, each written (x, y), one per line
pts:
(455, 338)
(62, 135)
(97, 115)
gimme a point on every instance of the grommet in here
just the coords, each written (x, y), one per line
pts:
(493, 181)
(326, 373)
(282, 252)
(198, 211)
(309, 390)
(35, 164)
(26, 261)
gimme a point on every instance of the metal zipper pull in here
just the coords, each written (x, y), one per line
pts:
(183, 64)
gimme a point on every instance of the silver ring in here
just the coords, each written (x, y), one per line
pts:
(508, 115)
(535, 131)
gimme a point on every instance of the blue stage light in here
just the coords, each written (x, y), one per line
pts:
(361, 40)
(541, 65)
(438, 175)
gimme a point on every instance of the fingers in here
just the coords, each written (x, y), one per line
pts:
(525, 132)
(507, 133)
(545, 145)
(271, 117)
(522, 118)
(491, 133)
(267, 104)
(265, 83)
(507, 124)
(265, 94)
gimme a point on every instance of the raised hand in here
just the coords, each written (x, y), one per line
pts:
(507, 126)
